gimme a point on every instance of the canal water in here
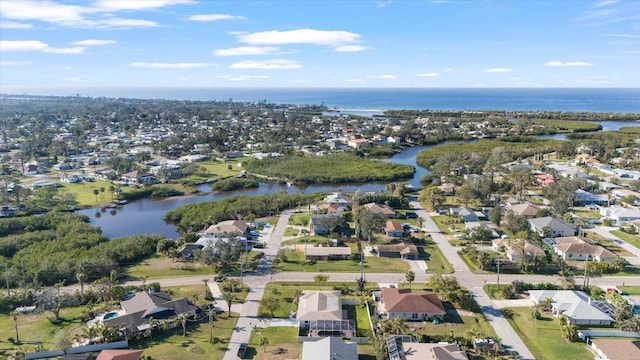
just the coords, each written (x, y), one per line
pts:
(146, 216)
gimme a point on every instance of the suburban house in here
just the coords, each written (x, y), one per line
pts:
(188, 252)
(524, 209)
(394, 229)
(329, 348)
(321, 313)
(406, 347)
(530, 251)
(137, 311)
(324, 224)
(338, 199)
(327, 252)
(550, 226)
(408, 305)
(116, 354)
(467, 214)
(615, 349)
(226, 228)
(620, 214)
(575, 248)
(138, 177)
(403, 250)
(625, 194)
(575, 305)
(472, 226)
(584, 198)
(383, 210)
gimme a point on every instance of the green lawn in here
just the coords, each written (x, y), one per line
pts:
(372, 264)
(631, 239)
(543, 337)
(588, 214)
(359, 314)
(283, 344)
(36, 329)
(633, 290)
(158, 267)
(436, 262)
(470, 327)
(286, 293)
(195, 345)
(609, 245)
(444, 222)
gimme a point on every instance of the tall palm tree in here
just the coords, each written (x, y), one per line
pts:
(15, 325)
(229, 298)
(82, 277)
(410, 276)
(183, 321)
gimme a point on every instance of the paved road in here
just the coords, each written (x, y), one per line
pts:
(467, 279)
(249, 315)
(263, 275)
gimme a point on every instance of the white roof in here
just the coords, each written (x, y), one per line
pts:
(576, 305)
(329, 348)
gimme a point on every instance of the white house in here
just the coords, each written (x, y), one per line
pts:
(620, 214)
(577, 306)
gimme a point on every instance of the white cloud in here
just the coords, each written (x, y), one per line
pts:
(386, 76)
(93, 42)
(274, 64)
(428, 74)
(246, 50)
(355, 80)
(214, 17)
(570, 63)
(35, 45)
(300, 36)
(351, 48)
(248, 77)
(149, 65)
(497, 70)
(117, 5)
(15, 63)
(99, 15)
(14, 25)
(448, 70)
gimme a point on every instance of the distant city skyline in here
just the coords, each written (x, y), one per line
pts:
(336, 44)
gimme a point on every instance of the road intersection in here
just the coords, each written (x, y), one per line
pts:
(257, 281)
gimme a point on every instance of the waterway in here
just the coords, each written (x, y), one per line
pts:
(147, 215)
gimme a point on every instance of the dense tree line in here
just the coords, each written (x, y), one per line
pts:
(57, 246)
(333, 168)
(234, 183)
(194, 217)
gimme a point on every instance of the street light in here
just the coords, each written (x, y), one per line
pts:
(498, 266)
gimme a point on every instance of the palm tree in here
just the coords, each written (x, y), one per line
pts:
(264, 342)
(183, 321)
(410, 276)
(570, 332)
(96, 192)
(320, 279)
(90, 333)
(102, 192)
(15, 325)
(229, 298)
(82, 277)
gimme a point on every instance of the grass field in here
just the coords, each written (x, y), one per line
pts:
(158, 267)
(436, 262)
(195, 345)
(631, 239)
(543, 337)
(359, 314)
(632, 290)
(286, 293)
(36, 330)
(372, 264)
(283, 344)
(588, 214)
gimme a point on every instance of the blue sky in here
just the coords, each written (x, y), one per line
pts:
(412, 43)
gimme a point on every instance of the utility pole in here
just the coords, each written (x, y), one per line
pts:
(6, 275)
(498, 266)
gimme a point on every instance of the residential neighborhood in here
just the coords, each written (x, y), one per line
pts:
(497, 249)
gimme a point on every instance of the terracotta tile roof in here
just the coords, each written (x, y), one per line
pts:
(619, 349)
(120, 355)
(403, 300)
(393, 226)
(402, 248)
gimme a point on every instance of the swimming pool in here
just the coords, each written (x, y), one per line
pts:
(110, 315)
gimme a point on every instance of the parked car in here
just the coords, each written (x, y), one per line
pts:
(411, 215)
(259, 246)
(219, 278)
(242, 350)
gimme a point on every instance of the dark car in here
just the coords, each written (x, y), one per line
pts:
(242, 350)
(219, 278)
(411, 215)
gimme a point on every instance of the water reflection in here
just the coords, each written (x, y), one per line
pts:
(147, 215)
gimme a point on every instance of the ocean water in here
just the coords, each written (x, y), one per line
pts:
(624, 100)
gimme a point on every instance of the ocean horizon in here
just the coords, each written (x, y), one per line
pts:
(376, 100)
